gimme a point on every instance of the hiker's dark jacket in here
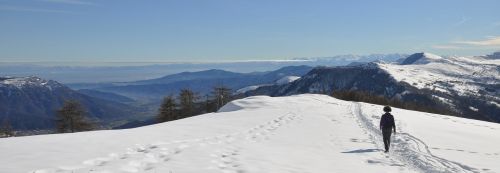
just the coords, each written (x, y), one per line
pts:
(387, 122)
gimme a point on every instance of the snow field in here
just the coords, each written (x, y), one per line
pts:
(303, 133)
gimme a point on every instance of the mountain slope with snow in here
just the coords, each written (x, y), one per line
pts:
(282, 81)
(472, 82)
(463, 86)
(303, 133)
(461, 75)
(287, 79)
(421, 58)
(29, 103)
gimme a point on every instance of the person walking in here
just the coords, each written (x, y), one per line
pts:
(387, 125)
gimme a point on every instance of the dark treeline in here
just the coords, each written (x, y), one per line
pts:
(433, 106)
(71, 117)
(189, 103)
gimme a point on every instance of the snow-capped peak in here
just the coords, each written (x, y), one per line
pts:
(462, 75)
(282, 81)
(21, 82)
(421, 58)
(249, 88)
(286, 79)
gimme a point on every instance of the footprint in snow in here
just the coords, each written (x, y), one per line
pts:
(128, 168)
(226, 161)
(180, 148)
(138, 165)
(96, 162)
(152, 146)
(48, 171)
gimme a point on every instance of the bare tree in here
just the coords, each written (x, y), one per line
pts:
(72, 117)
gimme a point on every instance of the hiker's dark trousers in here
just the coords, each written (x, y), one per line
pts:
(386, 134)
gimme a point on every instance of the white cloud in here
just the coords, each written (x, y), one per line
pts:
(446, 46)
(490, 41)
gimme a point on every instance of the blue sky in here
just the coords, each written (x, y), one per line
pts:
(227, 30)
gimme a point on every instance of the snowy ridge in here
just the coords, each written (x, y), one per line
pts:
(359, 58)
(303, 133)
(461, 75)
(465, 86)
(249, 88)
(31, 81)
(287, 79)
(282, 81)
(421, 58)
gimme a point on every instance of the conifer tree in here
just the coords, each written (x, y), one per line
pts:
(187, 99)
(168, 110)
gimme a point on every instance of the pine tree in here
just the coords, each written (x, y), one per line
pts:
(187, 99)
(6, 129)
(168, 110)
(72, 117)
(222, 95)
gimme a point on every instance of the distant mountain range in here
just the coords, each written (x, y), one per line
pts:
(346, 59)
(87, 72)
(201, 82)
(468, 85)
(495, 55)
(30, 103)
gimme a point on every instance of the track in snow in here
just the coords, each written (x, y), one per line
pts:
(411, 150)
(156, 157)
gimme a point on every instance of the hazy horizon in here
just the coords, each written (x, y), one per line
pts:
(150, 63)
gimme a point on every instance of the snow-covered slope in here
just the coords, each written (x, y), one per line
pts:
(460, 75)
(30, 81)
(463, 86)
(303, 133)
(421, 58)
(29, 103)
(282, 81)
(249, 88)
(287, 79)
